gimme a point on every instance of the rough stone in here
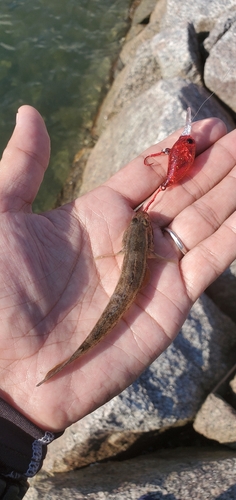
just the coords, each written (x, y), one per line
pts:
(217, 420)
(136, 77)
(147, 120)
(143, 11)
(219, 71)
(203, 14)
(169, 393)
(223, 291)
(177, 53)
(136, 36)
(179, 474)
(226, 20)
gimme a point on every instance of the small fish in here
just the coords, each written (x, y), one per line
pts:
(138, 246)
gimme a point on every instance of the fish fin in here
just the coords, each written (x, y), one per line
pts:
(154, 255)
(109, 255)
(146, 278)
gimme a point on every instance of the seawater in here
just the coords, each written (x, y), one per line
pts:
(56, 55)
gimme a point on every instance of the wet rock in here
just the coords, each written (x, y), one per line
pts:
(145, 121)
(178, 474)
(73, 183)
(169, 393)
(143, 11)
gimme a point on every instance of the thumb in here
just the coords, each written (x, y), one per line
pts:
(24, 161)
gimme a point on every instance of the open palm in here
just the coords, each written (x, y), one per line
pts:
(53, 289)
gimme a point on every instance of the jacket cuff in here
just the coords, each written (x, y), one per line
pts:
(23, 445)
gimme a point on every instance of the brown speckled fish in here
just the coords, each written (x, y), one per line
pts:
(138, 246)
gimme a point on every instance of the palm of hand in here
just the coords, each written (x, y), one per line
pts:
(53, 290)
(60, 290)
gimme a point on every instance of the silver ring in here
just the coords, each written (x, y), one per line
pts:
(177, 240)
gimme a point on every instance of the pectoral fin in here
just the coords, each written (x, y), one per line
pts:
(146, 278)
(109, 255)
(154, 255)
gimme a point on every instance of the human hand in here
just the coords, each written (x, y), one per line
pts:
(53, 290)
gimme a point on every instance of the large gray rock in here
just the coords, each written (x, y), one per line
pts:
(203, 14)
(219, 71)
(177, 53)
(136, 77)
(222, 25)
(173, 52)
(139, 33)
(179, 474)
(169, 393)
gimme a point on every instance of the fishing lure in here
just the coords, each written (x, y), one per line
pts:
(181, 158)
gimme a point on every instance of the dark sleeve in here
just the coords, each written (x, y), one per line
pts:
(23, 447)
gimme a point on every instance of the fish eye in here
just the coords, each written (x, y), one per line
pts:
(190, 141)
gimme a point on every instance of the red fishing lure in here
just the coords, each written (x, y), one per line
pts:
(181, 158)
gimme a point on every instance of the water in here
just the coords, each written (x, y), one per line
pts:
(56, 55)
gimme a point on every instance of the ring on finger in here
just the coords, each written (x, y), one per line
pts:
(176, 240)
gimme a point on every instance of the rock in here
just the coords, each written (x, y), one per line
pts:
(145, 121)
(223, 291)
(203, 14)
(179, 474)
(217, 420)
(223, 24)
(143, 11)
(219, 71)
(139, 33)
(72, 185)
(233, 385)
(134, 39)
(169, 393)
(162, 56)
(177, 53)
(137, 76)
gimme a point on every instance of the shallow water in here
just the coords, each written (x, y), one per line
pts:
(56, 56)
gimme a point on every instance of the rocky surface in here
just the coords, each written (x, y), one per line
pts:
(172, 49)
(217, 420)
(180, 474)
